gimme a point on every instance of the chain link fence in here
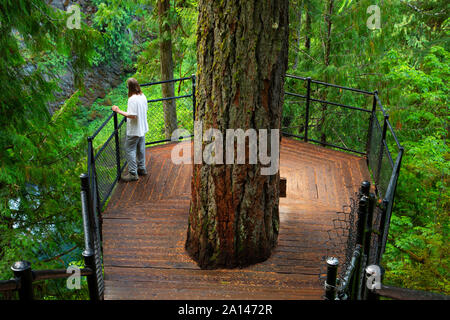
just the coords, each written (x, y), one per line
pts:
(184, 105)
(108, 158)
(341, 239)
(327, 114)
(342, 242)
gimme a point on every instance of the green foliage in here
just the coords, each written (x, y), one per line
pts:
(112, 19)
(182, 21)
(40, 153)
(418, 253)
(407, 61)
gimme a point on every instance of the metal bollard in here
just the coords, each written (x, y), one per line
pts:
(88, 253)
(330, 284)
(365, 188)
(22, 271)
(89, 262)
(362, 219)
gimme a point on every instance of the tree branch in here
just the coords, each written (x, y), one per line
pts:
(61, 254)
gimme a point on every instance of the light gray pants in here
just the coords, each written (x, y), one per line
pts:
(135, 151)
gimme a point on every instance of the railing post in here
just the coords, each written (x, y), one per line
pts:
(364, 189)
(330, 283)
(91, 167)
(380, 156)
(362, 216)
(86, 211)
(89, 262)
(88, 225)
(194, 101)
(381, 236)
(308, 97)
(372, 116)
(22, 270)
(367, 237)
(94, 202)
(360, 232)
(116, 138)
(369, 225)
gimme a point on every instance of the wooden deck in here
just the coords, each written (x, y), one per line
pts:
(145, 223)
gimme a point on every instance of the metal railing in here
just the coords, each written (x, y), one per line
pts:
(107, 161)
(24, 276)
(362, 279)
(349, 123)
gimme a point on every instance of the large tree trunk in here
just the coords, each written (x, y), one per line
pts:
(166, 63)
(242, 54)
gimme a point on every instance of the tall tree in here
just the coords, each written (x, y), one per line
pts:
(166, 64)
(308, 26)
(39, 188)
(326, 44)
(242, 51)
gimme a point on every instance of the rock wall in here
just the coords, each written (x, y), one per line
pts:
(98, 80)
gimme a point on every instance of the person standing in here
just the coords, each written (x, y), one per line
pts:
(137, 127)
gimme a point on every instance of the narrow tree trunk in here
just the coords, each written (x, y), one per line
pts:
(328, 15)
(308, 26)
(327, 52)
(166, 63)
(298, 35)
(242, 51)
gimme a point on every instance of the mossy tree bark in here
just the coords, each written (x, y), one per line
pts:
(242, 54)
(166, 66)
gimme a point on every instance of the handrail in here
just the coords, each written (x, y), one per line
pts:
(164, 81)
(39, 275)
(407, 294)
(295, 77)
(25, 276)
(10, 285)
(102, 125)
(393, 134)
(342, 87)
(170, 98)
(341, 105)
(380, 105)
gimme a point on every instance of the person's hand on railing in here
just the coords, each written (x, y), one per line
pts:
(125, 114)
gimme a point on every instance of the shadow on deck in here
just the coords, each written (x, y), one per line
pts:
(145, 224)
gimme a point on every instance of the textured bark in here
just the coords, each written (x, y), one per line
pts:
(166, 64)
(242, 51)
